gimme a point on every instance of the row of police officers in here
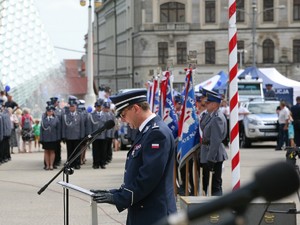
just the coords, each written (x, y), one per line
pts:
(73, 125)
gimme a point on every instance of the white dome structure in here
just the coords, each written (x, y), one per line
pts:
(27, 57)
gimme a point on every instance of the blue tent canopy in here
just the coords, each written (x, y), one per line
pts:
(253, 71)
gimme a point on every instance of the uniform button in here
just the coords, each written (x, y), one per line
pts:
(127, 158)
(142, 206)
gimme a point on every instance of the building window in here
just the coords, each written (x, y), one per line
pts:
(210, 11)
(268, 51)
(296, 10)
(268, 14)
(240, 11)
(296, 51)
(210, 53)
(172, 12)
(163, 54)
(241, 52)
(181, 53)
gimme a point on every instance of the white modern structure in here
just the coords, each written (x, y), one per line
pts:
(28, 64)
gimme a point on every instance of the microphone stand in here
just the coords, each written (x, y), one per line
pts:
(69, 171)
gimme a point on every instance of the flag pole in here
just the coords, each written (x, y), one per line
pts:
(233, 96)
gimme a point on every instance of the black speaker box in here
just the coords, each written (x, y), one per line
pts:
(258, 212)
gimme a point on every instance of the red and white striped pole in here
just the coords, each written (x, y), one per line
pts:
(233, 96)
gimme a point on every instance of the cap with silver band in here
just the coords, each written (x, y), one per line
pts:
(125, 99)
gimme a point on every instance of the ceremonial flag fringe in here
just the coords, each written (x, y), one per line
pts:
(188, 127)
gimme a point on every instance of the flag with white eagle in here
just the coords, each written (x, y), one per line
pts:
(188, 127)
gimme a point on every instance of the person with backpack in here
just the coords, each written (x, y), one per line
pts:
(27, 132)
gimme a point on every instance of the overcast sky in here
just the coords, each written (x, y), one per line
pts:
(66, 23)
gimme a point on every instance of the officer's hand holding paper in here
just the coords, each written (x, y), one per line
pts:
(104, 198)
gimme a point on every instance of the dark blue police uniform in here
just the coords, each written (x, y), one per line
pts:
(148, 190)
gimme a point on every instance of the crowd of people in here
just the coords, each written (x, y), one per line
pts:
(148, 177)
(10, 127)
(68, 125)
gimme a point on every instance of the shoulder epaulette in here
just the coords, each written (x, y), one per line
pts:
(155, 126)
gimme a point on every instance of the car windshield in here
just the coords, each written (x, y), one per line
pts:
(263, 108)
(249, 89)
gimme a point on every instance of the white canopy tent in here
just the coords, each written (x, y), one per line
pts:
(277, 77)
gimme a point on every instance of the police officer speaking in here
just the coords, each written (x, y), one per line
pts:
(147, 191)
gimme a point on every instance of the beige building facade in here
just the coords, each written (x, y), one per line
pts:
(135, 40)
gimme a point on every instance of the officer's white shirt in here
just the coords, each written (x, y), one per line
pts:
(146, 121)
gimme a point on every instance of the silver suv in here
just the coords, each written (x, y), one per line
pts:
(261, 123)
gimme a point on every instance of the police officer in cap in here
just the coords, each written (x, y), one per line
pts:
(95, 121)
(213, 151)
(73, 130)
(6, 129)
(1, 134)
(178, 100)
(58, 113)
(270, 93)
(147, 191)
(109, 134)
(84, 114)
(50, 135)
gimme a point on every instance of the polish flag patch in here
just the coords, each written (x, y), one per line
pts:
(155, 146)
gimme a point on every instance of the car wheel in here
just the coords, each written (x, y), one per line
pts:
(245, 142)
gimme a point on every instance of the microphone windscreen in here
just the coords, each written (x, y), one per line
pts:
(277, 181)
(109, 124)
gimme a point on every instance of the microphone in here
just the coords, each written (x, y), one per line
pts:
(107, 125)
(272, 183)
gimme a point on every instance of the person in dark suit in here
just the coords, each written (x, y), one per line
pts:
(147, 191)
(213, 153)
(296, 117)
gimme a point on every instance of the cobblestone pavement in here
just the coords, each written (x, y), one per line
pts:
(23, 176)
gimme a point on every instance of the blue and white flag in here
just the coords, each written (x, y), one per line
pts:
(153, 95)
(167, 109)
(188, 128)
